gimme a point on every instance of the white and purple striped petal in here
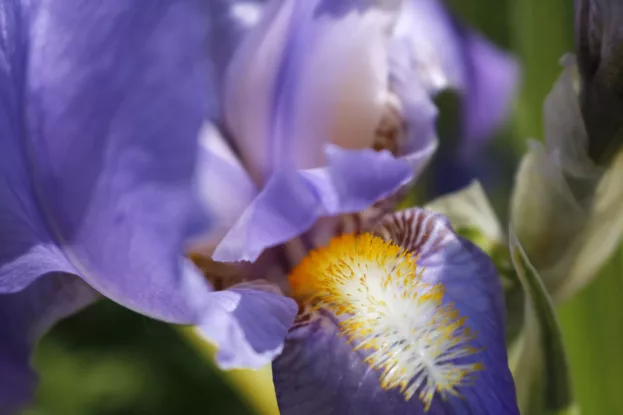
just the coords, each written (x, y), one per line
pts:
(323, 371)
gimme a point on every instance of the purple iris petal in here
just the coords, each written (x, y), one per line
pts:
(485, 77)
(25, 316)
(418, 110)
(319, 373)
(100, 181)
(223, 186)
(230, 20)
(283, 109)
(427, 32)
(248, 324)
(101, 106)
(492, 78)
(304, 77)
(292, 201)
(98, 173)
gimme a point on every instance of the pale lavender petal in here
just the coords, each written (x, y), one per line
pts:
(319, 373)
(114, 97)
(282, 109)
(310, 73)
(292, 201)
(248, 325)
(224, 188)
(25, 316)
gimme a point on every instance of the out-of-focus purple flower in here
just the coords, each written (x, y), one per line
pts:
(484, 76)
(452, 56)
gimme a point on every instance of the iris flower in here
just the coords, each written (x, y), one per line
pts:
(397, 314)
(123, 140)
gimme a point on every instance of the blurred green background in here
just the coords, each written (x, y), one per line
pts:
(108, 360)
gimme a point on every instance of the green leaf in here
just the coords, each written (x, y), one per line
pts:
(538, 360)
(592, 324)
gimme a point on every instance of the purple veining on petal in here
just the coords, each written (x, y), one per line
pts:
(319, 372)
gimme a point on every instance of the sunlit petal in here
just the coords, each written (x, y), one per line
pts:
(331, 363)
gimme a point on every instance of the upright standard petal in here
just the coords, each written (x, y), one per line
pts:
(101, 179)
(298, 105)
(306, 131)
(445, 55)
(414, 322)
